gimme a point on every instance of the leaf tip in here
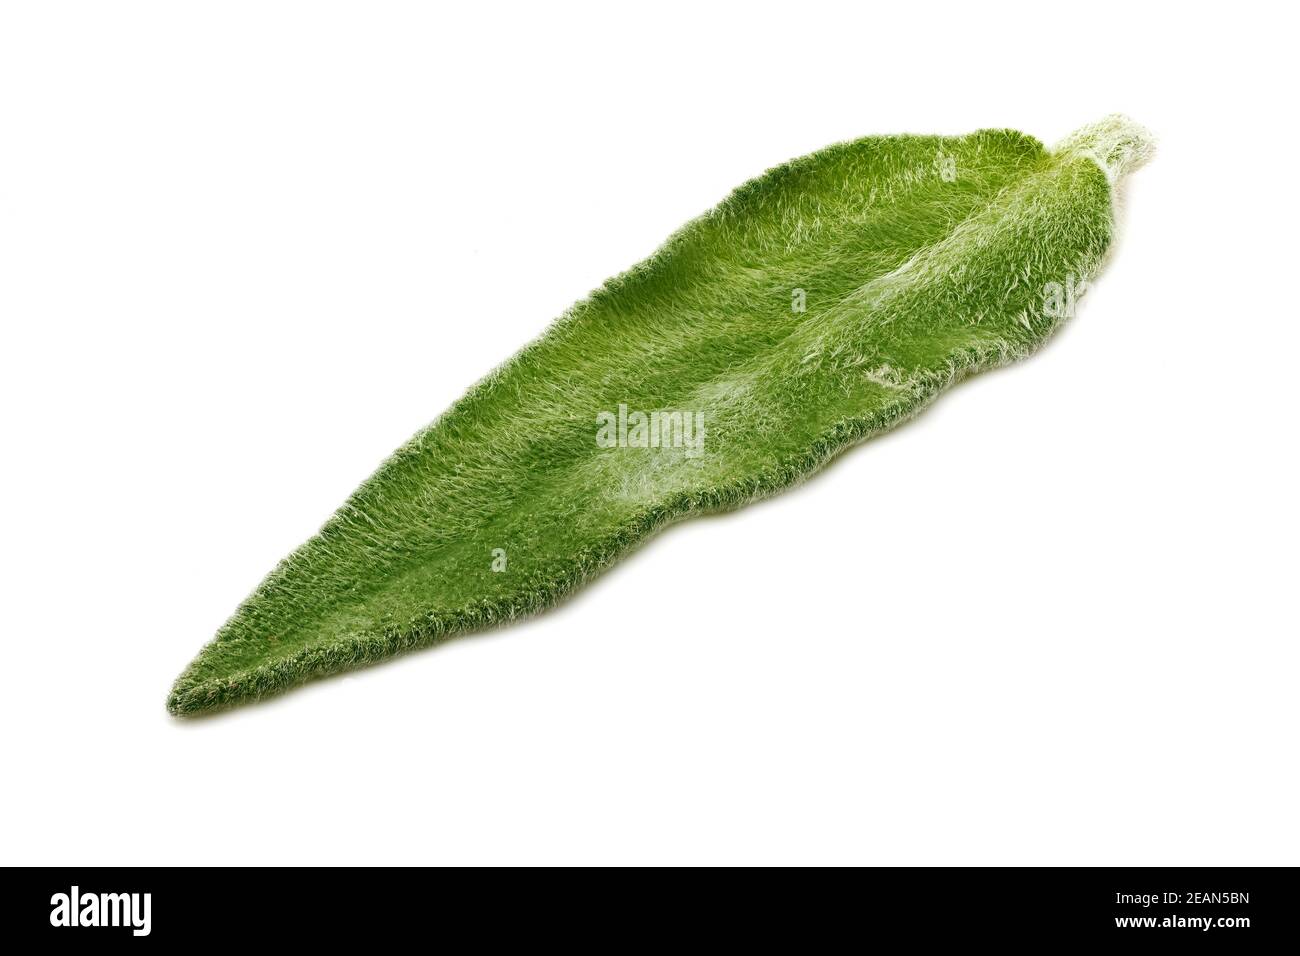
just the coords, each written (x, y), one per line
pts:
(1117, 144)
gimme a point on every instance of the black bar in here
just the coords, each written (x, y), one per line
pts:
(1225, 908)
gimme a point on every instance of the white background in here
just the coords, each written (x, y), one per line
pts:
(247, 249)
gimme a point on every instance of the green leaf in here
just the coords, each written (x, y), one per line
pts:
(820, 304)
